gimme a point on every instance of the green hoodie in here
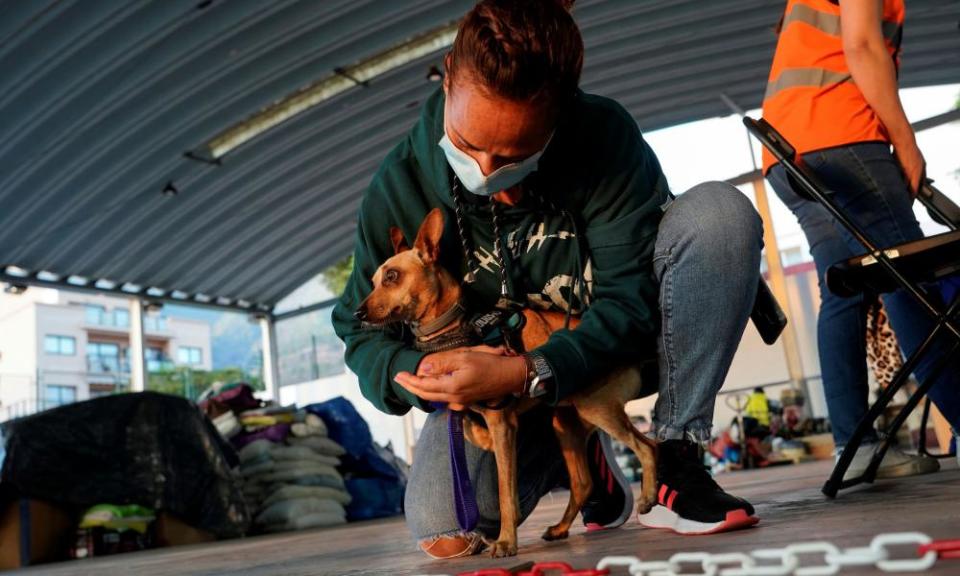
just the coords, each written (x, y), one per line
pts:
(607, 194)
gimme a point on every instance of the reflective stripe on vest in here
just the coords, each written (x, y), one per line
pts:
(794, 77)
(830, 23)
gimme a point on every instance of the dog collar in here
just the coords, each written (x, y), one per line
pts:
(455, 313)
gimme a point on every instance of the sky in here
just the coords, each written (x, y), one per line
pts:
(717, 149)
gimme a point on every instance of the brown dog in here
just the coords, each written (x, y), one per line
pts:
(412, 287)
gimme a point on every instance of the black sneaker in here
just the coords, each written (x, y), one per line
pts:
(611, 501)
(688, 500)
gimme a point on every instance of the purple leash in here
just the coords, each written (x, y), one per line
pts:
(464, 500)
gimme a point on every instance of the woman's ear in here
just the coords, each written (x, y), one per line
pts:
(446, 73)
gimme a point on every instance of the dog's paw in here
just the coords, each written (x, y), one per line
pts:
(555, 533)
(502, 549)
(645, 504)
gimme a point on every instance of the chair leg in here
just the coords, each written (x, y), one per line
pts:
(891, 432)
(924, 420)
(836, 482)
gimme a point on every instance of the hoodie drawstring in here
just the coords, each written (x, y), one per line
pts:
(498, 250)
(470, 278)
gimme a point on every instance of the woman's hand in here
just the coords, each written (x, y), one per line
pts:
(912, 163)
(466, 375)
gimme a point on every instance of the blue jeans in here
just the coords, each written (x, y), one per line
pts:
(707, 260)
(867, 183)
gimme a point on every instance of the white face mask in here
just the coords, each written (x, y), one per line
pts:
(472, 178)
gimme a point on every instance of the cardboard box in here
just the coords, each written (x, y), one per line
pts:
(36, 532)
(171, 531)
(33, 532)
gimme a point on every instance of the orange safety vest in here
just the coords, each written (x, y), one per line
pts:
(811, 98)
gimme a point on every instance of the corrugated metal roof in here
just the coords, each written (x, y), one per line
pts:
(99, 101)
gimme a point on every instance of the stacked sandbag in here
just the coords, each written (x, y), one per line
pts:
(292, 483)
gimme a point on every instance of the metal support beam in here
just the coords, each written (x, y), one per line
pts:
(91, 288)
(408, 433)
(271, 374)
(778, 281)
(305, 309)
(138, 347)
(778, 285)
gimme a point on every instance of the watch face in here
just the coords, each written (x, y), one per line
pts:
(538, 388)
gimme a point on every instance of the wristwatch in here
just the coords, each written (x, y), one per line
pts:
(539, 375)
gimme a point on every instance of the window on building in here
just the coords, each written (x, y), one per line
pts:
(95, 314)
(189, 355)
(60, 345)
(122, 317)
(55, 395)
(155, 359)
(155, 322)
(103, 357)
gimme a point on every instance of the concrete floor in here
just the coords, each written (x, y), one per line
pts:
(787, 499)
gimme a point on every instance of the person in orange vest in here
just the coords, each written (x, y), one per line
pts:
(832, 92)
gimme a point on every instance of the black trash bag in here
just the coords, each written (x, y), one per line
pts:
(150, 449)
(375, 478)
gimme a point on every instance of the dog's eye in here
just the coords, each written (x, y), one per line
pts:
(390, 276)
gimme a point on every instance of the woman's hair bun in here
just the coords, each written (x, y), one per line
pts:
(519, 49)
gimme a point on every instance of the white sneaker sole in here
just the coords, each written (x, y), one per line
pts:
(664, 518)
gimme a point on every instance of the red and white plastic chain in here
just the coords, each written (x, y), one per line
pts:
(764, 562)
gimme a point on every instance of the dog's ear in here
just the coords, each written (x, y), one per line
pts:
(428, 237)
(399, 242)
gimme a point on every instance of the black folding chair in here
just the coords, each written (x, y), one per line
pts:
(906, 266)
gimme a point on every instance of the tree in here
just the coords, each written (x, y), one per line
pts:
(188, 383)
(335, 277)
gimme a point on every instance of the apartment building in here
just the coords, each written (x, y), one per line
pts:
(58, 347)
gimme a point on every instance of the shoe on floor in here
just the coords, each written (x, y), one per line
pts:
(611, 501)
(454, 546)
(896, 463)
(688, 499)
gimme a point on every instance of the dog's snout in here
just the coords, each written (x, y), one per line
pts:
(361, 313)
